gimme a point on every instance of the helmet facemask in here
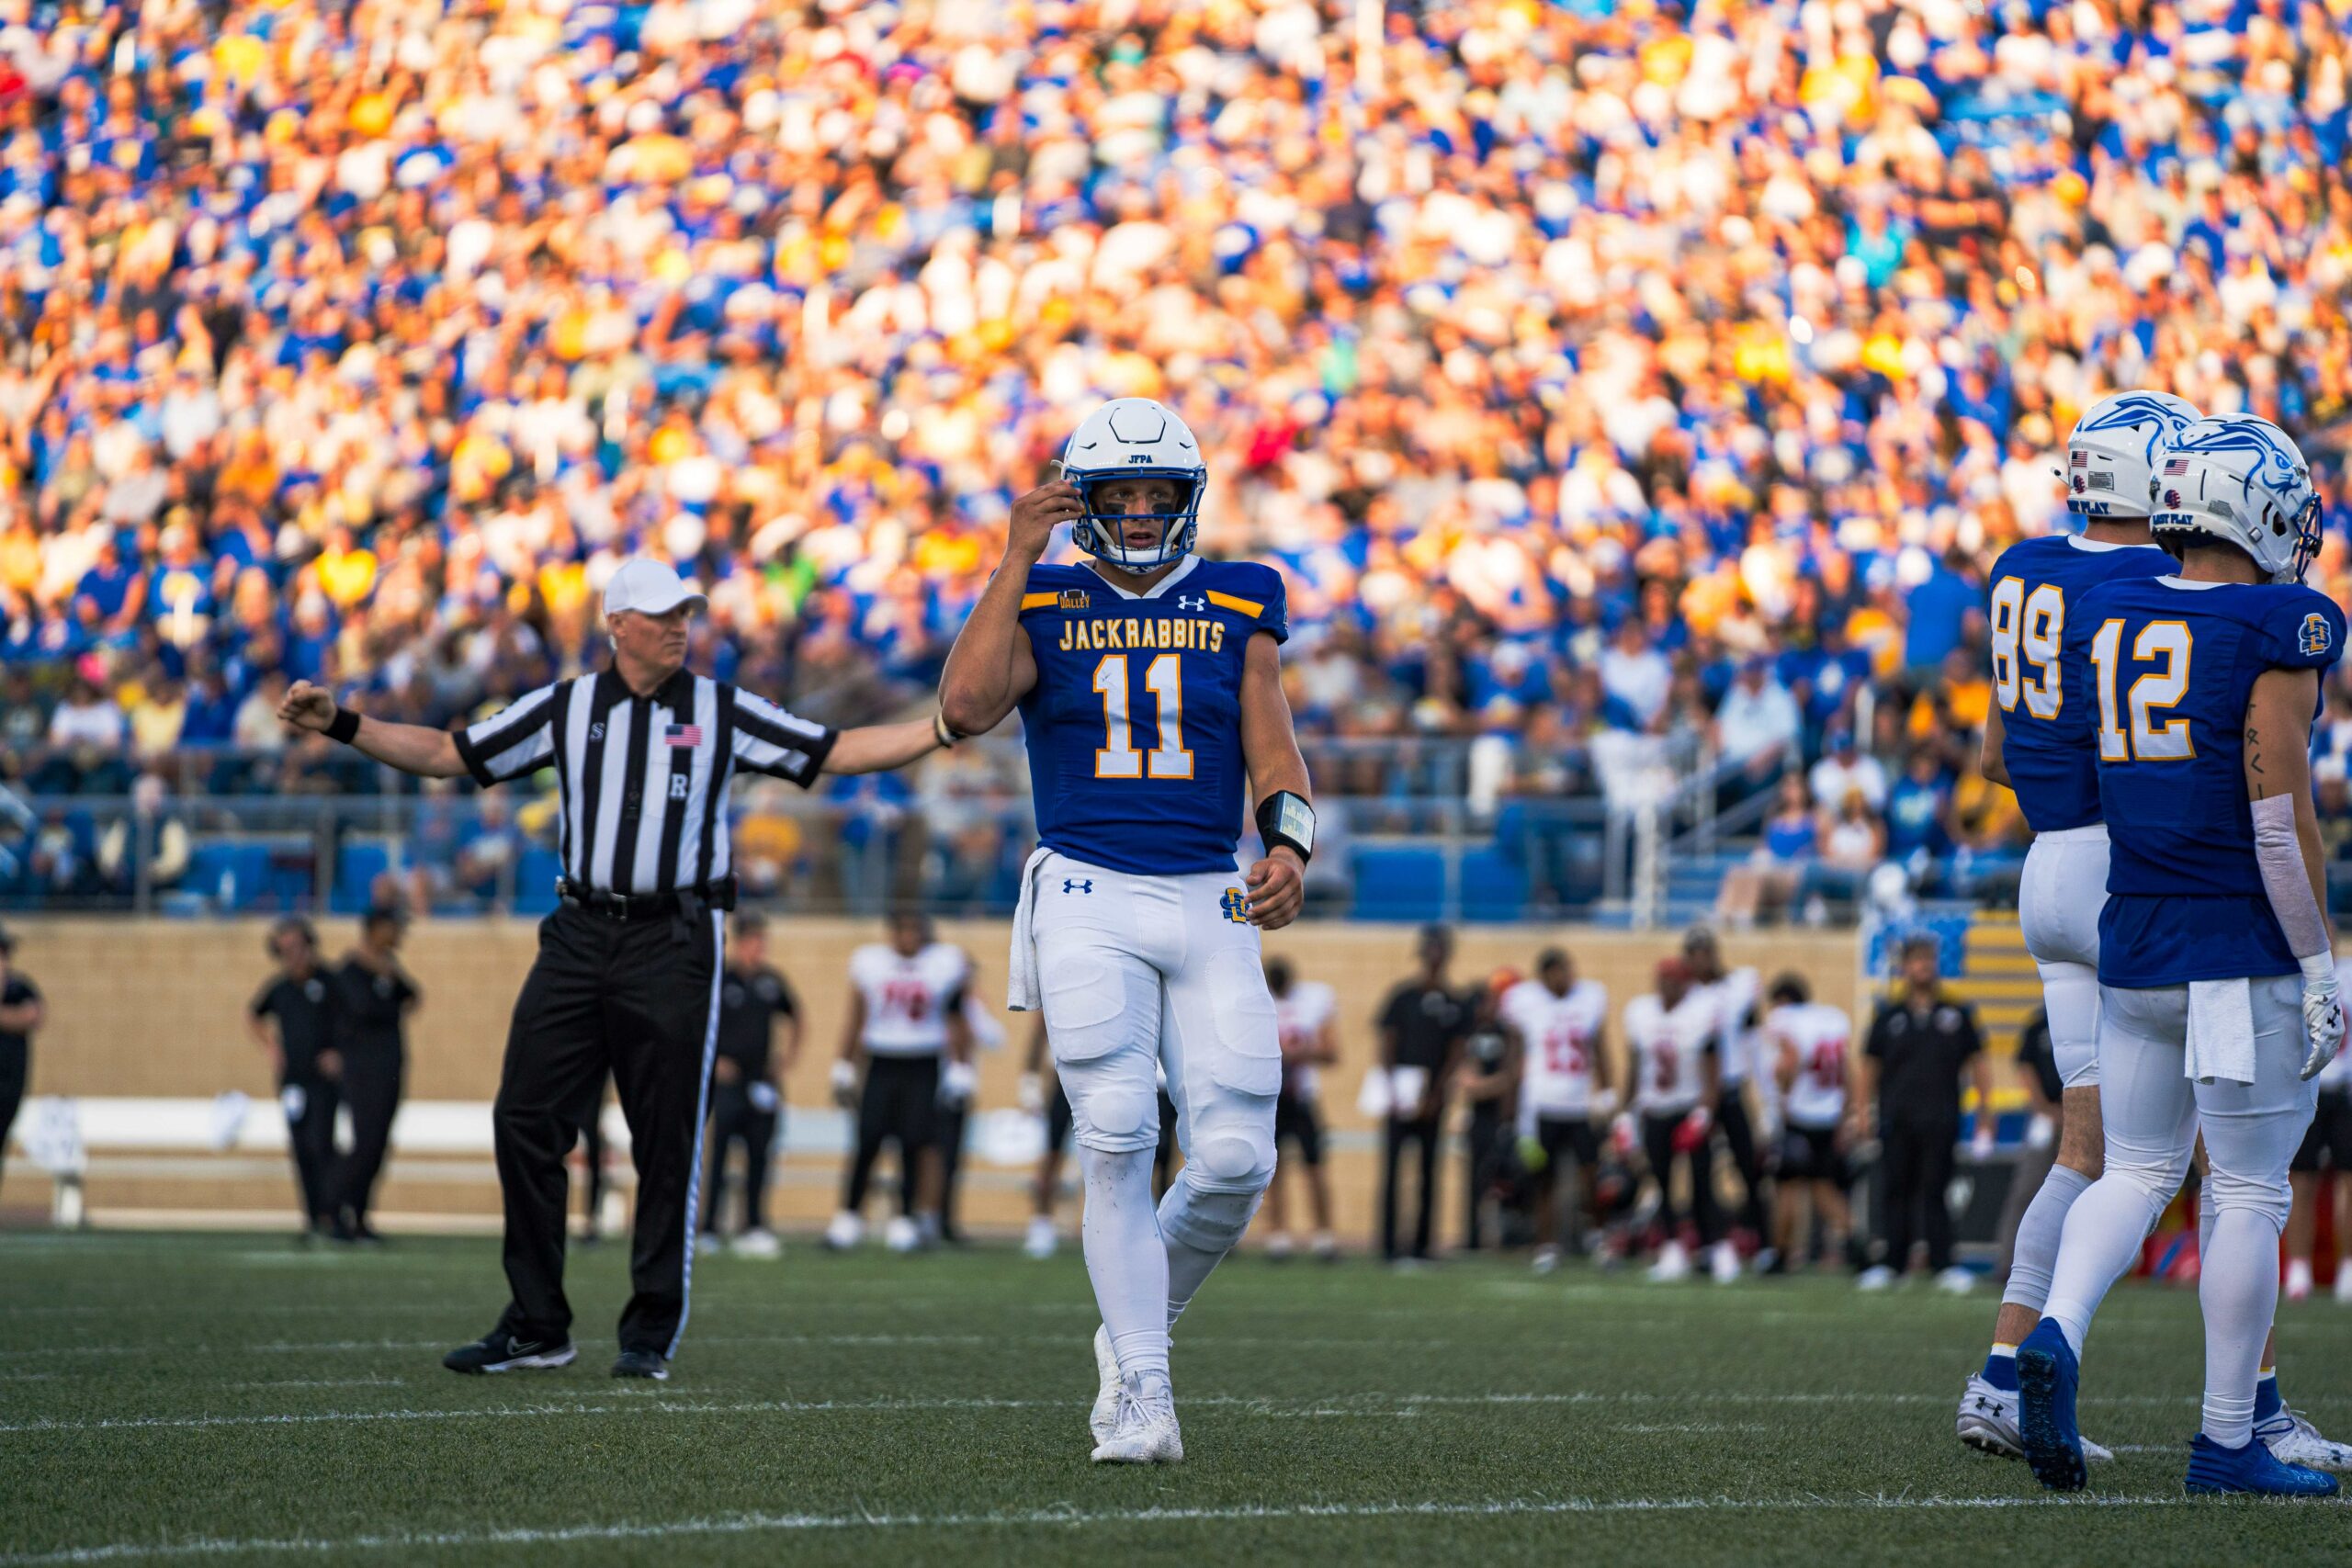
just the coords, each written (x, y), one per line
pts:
(1102, 532)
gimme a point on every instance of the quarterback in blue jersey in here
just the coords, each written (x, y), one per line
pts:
(2038, 741)
(1150, 687)
(2218, 991)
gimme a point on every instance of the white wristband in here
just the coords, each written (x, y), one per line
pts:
(2319, 968)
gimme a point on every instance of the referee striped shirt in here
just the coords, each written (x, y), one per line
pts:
(644, 779)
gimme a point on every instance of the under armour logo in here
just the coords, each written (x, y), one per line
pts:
(1074, 885)
(1184, 604)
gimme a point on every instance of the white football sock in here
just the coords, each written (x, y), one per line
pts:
(1126, 1258)
(2103, 1232)
(1200, 1225)
(2037, 1244)
(2237, 1287)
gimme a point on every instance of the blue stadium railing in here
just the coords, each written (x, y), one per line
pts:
(1382, 858)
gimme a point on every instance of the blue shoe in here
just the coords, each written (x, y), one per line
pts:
(2253, 1469)
(2048, 1377)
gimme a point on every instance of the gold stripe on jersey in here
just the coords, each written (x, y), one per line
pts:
(1249, 607)
(1045, 601)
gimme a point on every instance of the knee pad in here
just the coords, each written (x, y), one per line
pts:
(2155, 1180)
(1211, 1213)
(2250, 1195)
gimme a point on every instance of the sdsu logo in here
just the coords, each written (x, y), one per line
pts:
(1236, 906)
(2317, 634)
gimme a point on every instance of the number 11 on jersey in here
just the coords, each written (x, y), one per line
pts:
(1118, 758)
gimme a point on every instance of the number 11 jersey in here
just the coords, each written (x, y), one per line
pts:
(1134, 727)
(2045, 707)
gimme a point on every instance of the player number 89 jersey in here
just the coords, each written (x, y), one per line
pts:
(1134, 726)
(2170, 665)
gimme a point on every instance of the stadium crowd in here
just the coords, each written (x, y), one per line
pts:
(1609, 380)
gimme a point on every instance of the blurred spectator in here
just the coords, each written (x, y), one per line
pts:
(1757, 726)
(1844, 771)
(1771, 877)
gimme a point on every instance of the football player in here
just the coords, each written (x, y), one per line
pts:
(2218, 1000)
(1555, 1024)
(1670, 1036)
(1305, 1014)
(2039, 744)
(1810, 1043)
(1150, 685)
(907, 1022)
(1736, 994)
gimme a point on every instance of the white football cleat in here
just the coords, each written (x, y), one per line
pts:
(1672, 1264)
(2298, 1287)
(2292, 1440)
(1877, 1277)
(1279, 1246)
(1327, 1250)
(1547, 1260)
(1103, 1419)
(1725, 1263)
(845, 1231)
(1042, 1239)
(1147, 1431)
(761, 1243)
(901, 1235)
(1955, 1281)
(1989, 1423)
(2344, 1280)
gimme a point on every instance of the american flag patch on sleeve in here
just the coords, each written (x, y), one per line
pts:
(683, 735)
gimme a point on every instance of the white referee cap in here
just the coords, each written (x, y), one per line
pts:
(649, 587)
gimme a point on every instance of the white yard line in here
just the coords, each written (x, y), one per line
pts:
(1353, 1407)
(1066, 1518)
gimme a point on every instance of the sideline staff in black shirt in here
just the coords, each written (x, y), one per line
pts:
(373, 995)
(747, 1075)
(21, 1014)
(310, 1068)
(1917, 1049)
(1422, 1026)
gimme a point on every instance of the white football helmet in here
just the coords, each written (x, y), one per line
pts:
(2241, 479)
(1135, 438)
(2111, 455)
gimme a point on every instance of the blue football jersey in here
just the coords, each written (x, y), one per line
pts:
(2046, 707)
(2169, 665)
(1134, 727)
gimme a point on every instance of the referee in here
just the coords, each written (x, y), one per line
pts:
(626, 977)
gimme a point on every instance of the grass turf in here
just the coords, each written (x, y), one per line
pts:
(230, 1398)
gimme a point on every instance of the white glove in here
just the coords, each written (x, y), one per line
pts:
(845, 1082)
(2323, 1013)
(1033, 1093)
(1604, 1104)
(956, 1082)
(763, 1096)
(1980, 1147)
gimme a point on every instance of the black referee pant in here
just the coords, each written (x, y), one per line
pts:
(638, 998)
(309, 1102)
(736, 1122)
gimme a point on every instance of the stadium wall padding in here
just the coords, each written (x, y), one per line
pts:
(157, 1009)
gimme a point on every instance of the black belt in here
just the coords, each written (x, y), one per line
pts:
(720, 895)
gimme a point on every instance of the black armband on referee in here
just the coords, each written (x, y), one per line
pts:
(344, 727)
(1287, 818)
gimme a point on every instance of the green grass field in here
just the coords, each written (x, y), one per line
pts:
(230, 1398)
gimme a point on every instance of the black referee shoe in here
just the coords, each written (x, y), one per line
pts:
(501, 1351)
(642, 1364)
